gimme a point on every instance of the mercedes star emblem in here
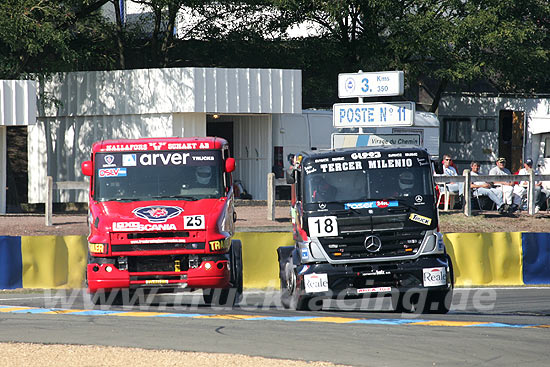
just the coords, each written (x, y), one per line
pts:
(373, 243)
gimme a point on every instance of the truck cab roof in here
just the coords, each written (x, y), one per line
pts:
(161, 143)
(329, 153)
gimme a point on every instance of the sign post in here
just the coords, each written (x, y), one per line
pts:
(383, 83)
(373, 114)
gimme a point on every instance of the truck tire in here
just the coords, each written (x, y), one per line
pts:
(400, 305)
(291, 296)
(216, 296)
(236, 261)
(436, 302)
(107, 298)
(228, 297)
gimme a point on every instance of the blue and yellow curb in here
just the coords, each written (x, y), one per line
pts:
(333, 320)
(479, 259)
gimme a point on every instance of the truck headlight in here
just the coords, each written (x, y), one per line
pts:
(430, 244)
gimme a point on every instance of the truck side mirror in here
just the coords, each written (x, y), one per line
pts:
(87, 168)
(290, 179)
(290, 158)
(229, 165)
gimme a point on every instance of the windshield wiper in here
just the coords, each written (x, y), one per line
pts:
(185, 197)
(124, 199)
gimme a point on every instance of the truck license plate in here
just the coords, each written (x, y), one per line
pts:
(156, 281)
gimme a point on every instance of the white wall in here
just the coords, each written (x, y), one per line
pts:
(158, 102)
(17, 108)
(175, 90)
(57, 146)
(3, 169)
(189, 124)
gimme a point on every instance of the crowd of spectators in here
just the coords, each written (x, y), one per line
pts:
(507, 196)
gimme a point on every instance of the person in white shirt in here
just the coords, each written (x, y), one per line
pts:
(520, 190)
(448, 170)
(507, 188)
(481, 188)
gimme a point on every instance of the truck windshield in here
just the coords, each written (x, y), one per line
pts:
(364, 183)
(186, 175)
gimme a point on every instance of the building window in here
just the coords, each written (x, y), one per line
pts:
(457, 130)
(485, 124)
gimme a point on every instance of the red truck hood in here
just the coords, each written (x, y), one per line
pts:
(142, 216)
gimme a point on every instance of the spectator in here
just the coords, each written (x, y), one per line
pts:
(520, 190)
(449, 170)
(481, 188)
(507, 188)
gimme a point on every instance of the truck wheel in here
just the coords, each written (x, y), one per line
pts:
(229, 296)
(291, 296)
(216, 296)
(107, 298)
(236, 261)
(400, 305)
(438, 302)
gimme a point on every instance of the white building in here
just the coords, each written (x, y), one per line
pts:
(237, 104)
(17, 108)
(485, 128)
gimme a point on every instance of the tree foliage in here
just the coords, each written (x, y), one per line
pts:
(41, 36)
(447, 41)
(443, 43)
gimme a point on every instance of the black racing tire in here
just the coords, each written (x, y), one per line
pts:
(438, 302)
(403, 302)
(236, 263)
(292, 297)
(216, 296)
(228, 297)
(107, 298)
(427, 302)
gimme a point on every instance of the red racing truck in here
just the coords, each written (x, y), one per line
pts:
(161, 217)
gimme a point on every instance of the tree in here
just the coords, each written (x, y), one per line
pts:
(448, 41)
(41, 36)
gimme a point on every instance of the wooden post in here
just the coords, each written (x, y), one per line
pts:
(271, 196)
(467, 191)
(49, 200)
(531, 193)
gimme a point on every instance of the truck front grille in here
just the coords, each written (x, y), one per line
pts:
(352, 245)
(140, 264)
(139, 235)
(156, 247)
(389, 222)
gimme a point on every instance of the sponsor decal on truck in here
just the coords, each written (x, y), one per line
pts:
(157, 213)
(434, 277)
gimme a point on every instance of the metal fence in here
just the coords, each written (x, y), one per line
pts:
(62, 185)
(466, 179)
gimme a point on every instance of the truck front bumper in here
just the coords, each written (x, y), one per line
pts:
(427, 273)
(107, 277)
